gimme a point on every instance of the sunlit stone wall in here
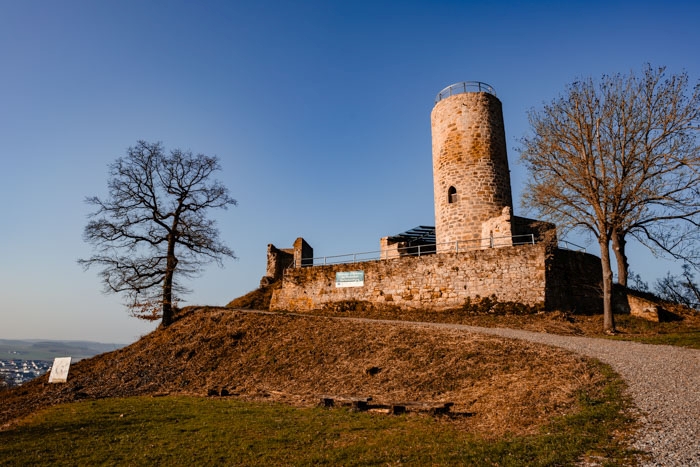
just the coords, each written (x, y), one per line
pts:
(471, 178)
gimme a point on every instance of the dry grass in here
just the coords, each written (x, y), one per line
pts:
(498, 386)
(258, 299)
(489, 312)
(680, 320)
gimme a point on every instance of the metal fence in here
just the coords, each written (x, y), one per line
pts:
(564, 245)
(421, 250)
(466, 86)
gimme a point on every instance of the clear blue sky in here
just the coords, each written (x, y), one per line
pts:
(318, 110)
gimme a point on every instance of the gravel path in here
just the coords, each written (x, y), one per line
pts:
(664, 382)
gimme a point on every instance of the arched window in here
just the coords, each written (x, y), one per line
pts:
(452, 195)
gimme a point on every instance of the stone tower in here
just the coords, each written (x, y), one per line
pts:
(471, 178)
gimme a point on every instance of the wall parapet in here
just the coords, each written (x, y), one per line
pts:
(392, 251)
(436, 282)
(535, 275)
(279, 259)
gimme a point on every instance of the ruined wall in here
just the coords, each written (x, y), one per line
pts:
(390, 249)
(530, 274)
(574, 281)
(434, 282)
(470, 166)
(497, 231)
(303, 253)
(277, 261)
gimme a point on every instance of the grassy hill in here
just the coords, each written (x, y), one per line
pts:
(503, 384)
(508, 395)
(513, 401)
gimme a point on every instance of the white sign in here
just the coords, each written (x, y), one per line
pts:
(59, 370)
(350, 279)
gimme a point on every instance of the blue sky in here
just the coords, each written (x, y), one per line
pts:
(318, 110)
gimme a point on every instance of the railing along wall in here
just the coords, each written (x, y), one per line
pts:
(463, 87)
(421, 250)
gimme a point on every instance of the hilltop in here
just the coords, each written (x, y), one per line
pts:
(503, 385)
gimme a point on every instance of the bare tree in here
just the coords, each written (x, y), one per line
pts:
(680, 289)
(152, 229)
(619, 158)
(651, 139)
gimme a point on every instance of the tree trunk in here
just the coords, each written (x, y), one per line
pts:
(608, 318)
(619, 243)
(168, 314)
(167, 319)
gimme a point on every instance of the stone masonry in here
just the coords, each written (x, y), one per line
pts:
(432, 282)
(470, 166)
(529, 274)
(279, 259)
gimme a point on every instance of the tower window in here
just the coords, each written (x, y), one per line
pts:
(452, 195)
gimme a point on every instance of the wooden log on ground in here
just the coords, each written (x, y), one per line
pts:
(433, 408)
(357, 403)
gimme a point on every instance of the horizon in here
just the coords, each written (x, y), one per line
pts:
(319, 112)
(4, 339)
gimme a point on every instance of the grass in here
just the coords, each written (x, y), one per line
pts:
(205, 431)
(684, 331)
(681, 333)
(508, 386)
(689, 339)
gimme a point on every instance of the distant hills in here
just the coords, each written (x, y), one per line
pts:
(41, 349)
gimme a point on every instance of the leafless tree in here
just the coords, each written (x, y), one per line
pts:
(680, 289)
(152, 229)
(616, 158)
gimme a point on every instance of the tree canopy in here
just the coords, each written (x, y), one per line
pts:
(620, 157)
(152, 229)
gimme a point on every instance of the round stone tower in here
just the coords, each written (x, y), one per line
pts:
(471, 178)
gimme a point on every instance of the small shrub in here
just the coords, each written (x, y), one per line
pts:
(492, 306)
(348, 306)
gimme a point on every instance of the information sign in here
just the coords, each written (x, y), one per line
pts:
(59, 370)
(350, 279)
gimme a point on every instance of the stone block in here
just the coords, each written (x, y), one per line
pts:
(643, 308)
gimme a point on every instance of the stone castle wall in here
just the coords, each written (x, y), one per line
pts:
(530, 274)
(279, 259)
(470, 166)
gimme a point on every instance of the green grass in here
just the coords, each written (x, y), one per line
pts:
(666, 333)
(690, 339)
(199, 431)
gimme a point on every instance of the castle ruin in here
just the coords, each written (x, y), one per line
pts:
(477, 247)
